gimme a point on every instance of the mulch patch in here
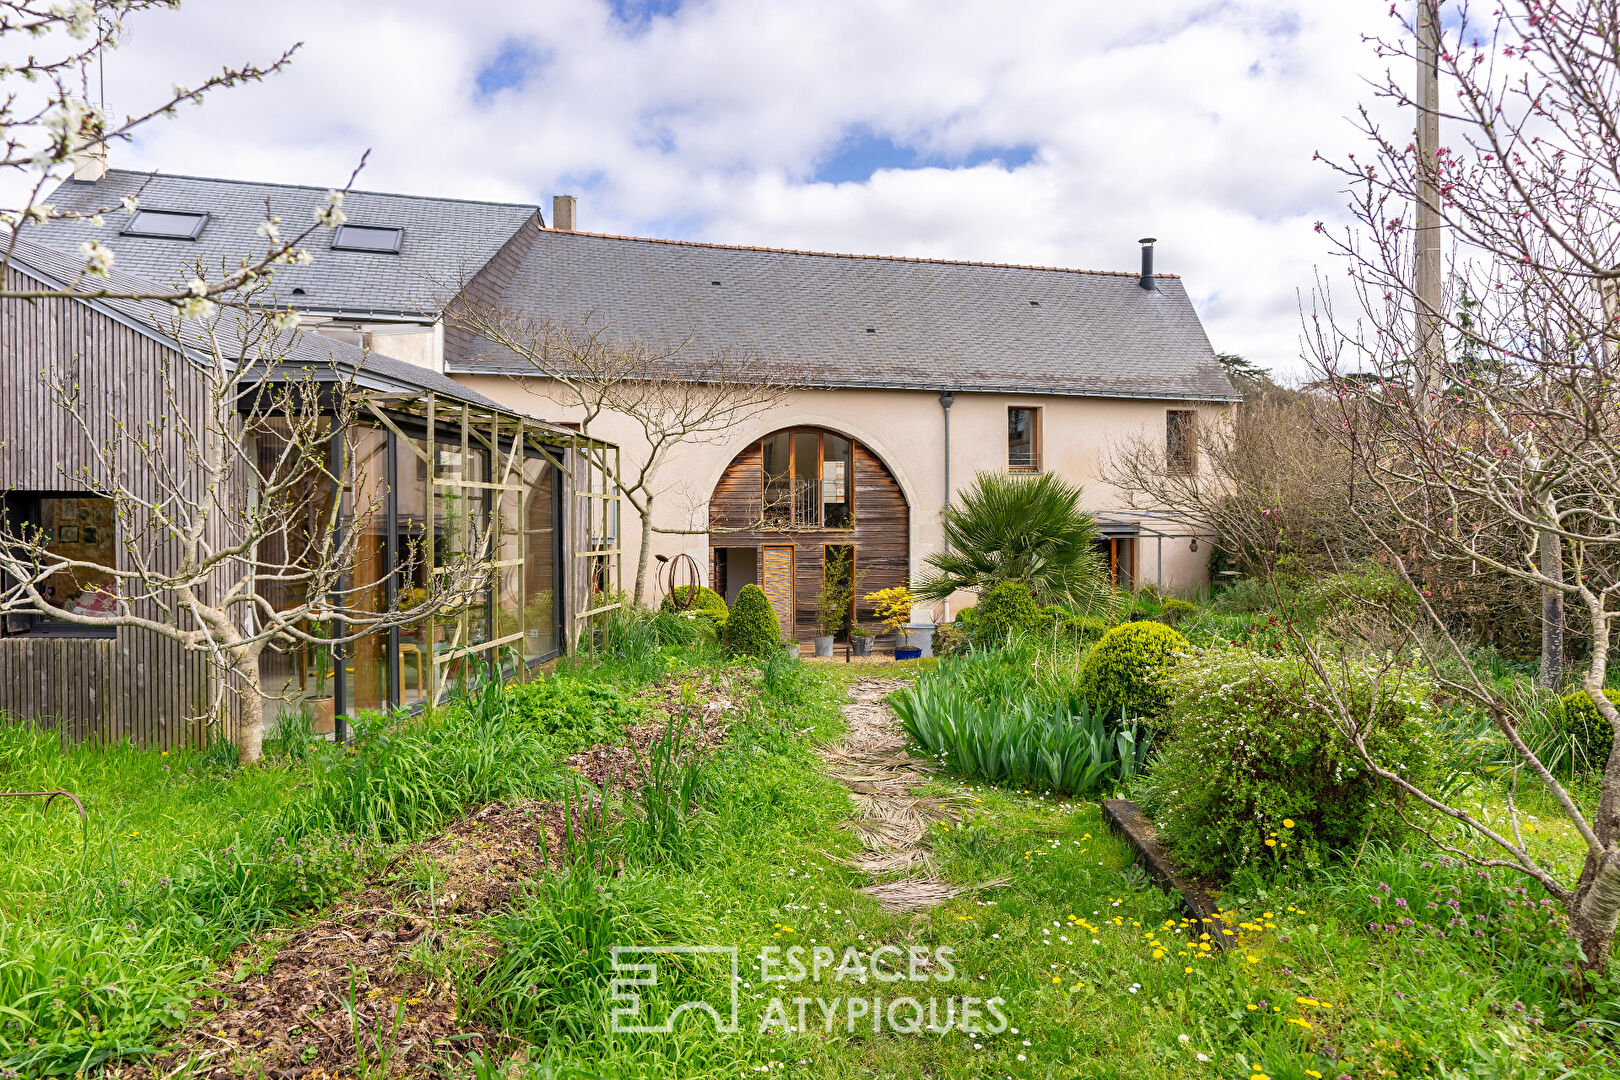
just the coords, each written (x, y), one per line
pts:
(343, 991)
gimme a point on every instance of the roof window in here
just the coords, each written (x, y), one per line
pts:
(378, 239)
(166, 224)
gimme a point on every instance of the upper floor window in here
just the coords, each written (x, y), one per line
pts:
(1181, 441)
(167, 224)
(381, 239)
(1023, 439)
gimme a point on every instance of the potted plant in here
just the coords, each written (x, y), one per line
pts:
(860, 640)
(832, 603)
(322, 702)
(893, 607)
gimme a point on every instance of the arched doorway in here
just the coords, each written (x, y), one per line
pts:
(796, 500)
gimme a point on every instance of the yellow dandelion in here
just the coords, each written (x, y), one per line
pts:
(1270, 842)
(1288, 823)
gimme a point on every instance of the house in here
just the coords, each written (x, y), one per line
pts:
(914, 375)
(426, 464)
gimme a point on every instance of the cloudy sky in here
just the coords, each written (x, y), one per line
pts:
(1033, 131)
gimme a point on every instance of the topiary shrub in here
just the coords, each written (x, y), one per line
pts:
(1588, 735)
(1124, 673)
(752, 628)
(1003, 609)
(695, 598)
(1254, 774)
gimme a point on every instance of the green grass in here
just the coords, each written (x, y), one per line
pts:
(101, 949)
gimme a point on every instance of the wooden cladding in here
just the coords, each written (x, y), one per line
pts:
(880, 528)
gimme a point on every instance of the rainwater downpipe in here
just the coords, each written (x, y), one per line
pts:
(946, 398)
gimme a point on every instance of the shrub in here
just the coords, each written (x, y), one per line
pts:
(696, 598)
(752, 628)
(1588, 736)
(1174, 611)
(1124, 673)
(1255, 774)
(1003, 610)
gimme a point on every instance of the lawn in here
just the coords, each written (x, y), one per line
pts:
(197, 876)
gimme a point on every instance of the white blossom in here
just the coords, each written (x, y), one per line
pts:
(130, 204)
(197, 287)
(331, 214)
(196, 307)
(79, 17)
(98, 257)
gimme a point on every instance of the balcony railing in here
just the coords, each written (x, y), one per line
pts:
(799, 504)
(1023, 461)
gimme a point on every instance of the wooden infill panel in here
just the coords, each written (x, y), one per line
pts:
(776, 578)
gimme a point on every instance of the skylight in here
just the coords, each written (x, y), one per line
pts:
(166, 224)
(384, 239)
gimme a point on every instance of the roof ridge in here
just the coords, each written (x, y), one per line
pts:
(852, 255)
(318, 187)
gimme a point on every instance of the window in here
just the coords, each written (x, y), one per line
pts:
(1023, 440)
(1181, 441)
(166, 224)
(72, 526)
(382, 239)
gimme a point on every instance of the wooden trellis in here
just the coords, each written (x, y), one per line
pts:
(590, 534)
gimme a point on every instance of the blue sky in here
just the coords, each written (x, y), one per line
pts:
(1045, 131)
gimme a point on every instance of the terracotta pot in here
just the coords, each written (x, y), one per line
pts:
(325, 714)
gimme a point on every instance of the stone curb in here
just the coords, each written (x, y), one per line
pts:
(1127, 819)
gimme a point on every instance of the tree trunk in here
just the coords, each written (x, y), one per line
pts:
(1596, 909)
(250, 729)
(645, 555)
(1552, 614)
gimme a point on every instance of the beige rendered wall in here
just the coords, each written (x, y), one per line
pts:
(906, 429)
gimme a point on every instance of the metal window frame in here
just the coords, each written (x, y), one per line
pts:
(133, 228)
(397, 230)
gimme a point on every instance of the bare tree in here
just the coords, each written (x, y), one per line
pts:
(1509, 442)
(49, 123)
(1267, 481)
(674, 394)
(235, 529)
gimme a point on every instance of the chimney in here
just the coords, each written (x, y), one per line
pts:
(90, 162)
(563, 208)
(1146, 280)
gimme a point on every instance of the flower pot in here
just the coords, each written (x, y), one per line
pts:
(921, 636)
(325, 715)
(907, 652)
(824, 644)
(861, 645)
(791, 648)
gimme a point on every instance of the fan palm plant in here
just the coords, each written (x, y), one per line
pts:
(1028, 529)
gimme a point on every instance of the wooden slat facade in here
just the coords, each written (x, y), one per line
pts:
(134, 685)
(881, 534)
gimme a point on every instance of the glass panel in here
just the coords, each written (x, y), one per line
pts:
(778, 505)
(540, 560)
(835, 482)
(168, 224)
(367, 238)
(461, 518)
(509, 579)
(304, 675)
(80, 527)
(416, 547)
(365, 673)
(1021, 439)
(806, 466)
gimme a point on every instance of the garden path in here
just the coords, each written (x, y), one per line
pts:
(891, 821)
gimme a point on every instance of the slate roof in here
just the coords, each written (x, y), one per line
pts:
(444, 240)
(874, 321)
(299, 349)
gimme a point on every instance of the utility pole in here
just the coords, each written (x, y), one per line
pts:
(1426, 261)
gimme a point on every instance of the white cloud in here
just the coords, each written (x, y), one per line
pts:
(1191, 120)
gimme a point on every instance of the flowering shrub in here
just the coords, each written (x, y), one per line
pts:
(1588, 736)
(1255, 774)
(752, 627)
(1123, 675)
